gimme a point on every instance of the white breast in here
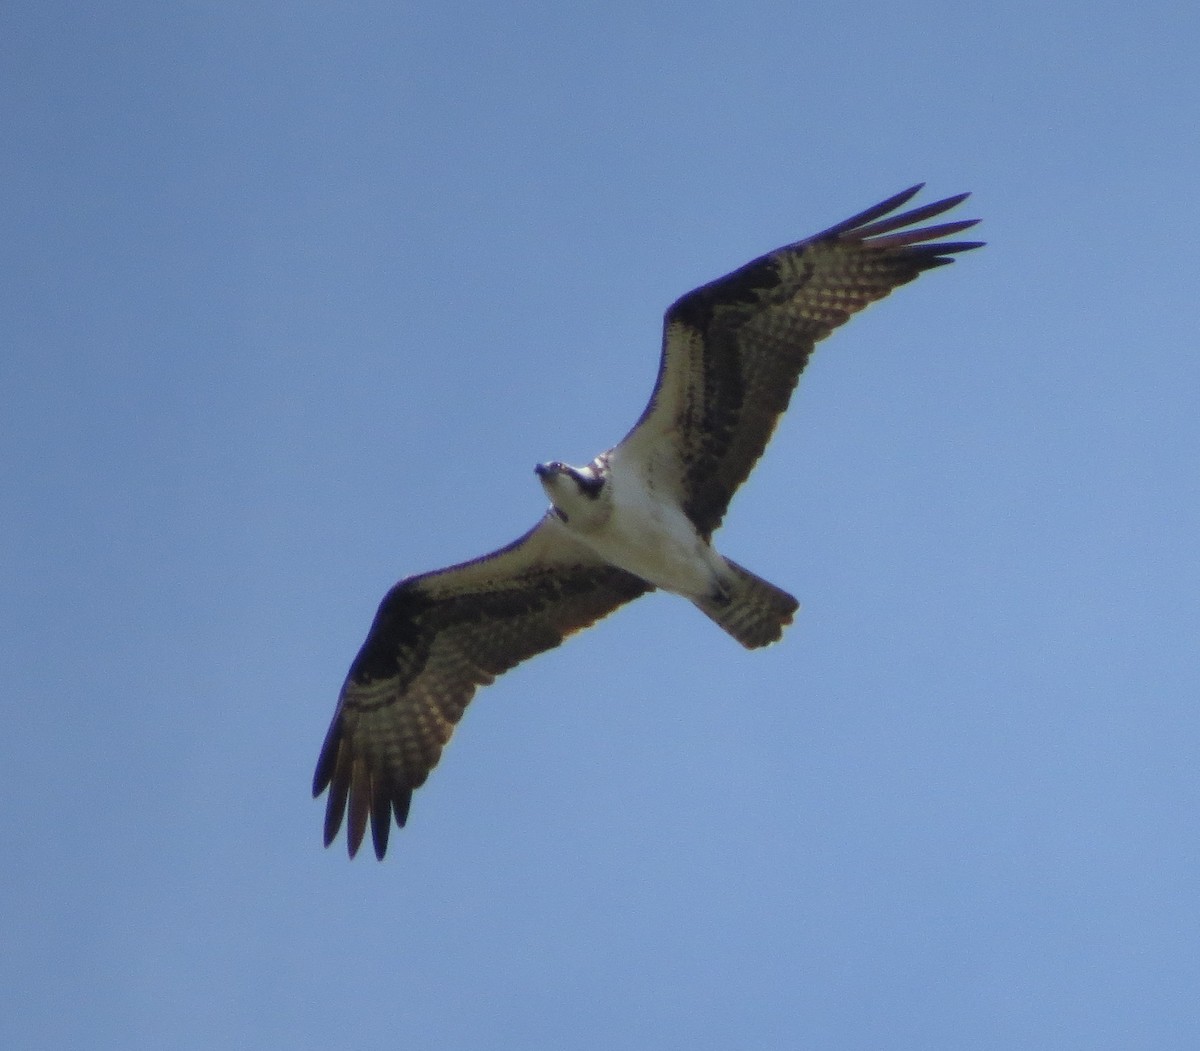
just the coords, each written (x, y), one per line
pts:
(652, 537)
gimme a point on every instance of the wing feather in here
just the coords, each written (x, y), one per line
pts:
(734, 349)
(435, 640)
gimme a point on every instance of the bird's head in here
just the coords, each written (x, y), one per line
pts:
(574, 491)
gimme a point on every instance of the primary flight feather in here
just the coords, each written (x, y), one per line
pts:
(638, 517)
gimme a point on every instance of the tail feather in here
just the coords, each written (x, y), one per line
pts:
(753, 611)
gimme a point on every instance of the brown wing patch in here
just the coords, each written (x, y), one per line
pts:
(734, 349)
(435, 640)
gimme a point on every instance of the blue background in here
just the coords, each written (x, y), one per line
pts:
(295, 295)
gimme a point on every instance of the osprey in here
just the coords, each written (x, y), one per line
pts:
(638, 517)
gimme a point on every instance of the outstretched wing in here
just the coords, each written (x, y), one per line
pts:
(734, 349)
(435, 640)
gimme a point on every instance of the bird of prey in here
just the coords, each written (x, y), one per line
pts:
(638, 517)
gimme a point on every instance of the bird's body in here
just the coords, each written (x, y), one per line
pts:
(638, 517)
(630, 525)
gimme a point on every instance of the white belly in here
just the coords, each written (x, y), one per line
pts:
(657, 542)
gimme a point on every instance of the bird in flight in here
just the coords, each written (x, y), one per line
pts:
(638, 517)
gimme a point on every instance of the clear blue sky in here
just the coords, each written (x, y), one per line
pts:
(295, 296)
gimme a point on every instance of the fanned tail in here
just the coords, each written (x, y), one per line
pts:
(749, 608)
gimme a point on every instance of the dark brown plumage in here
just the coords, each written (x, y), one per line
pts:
(435, 640)
(733, 351)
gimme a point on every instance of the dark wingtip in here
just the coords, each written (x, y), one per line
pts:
(321, 776)
(959, 246)
(381, 817)
(401, 801)
(327, 760)
(358, 806)
(333, 773)
(878, 224)
(870, 214)
(906, 221)
(953, 201)
(335, 809)
(375, 809)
